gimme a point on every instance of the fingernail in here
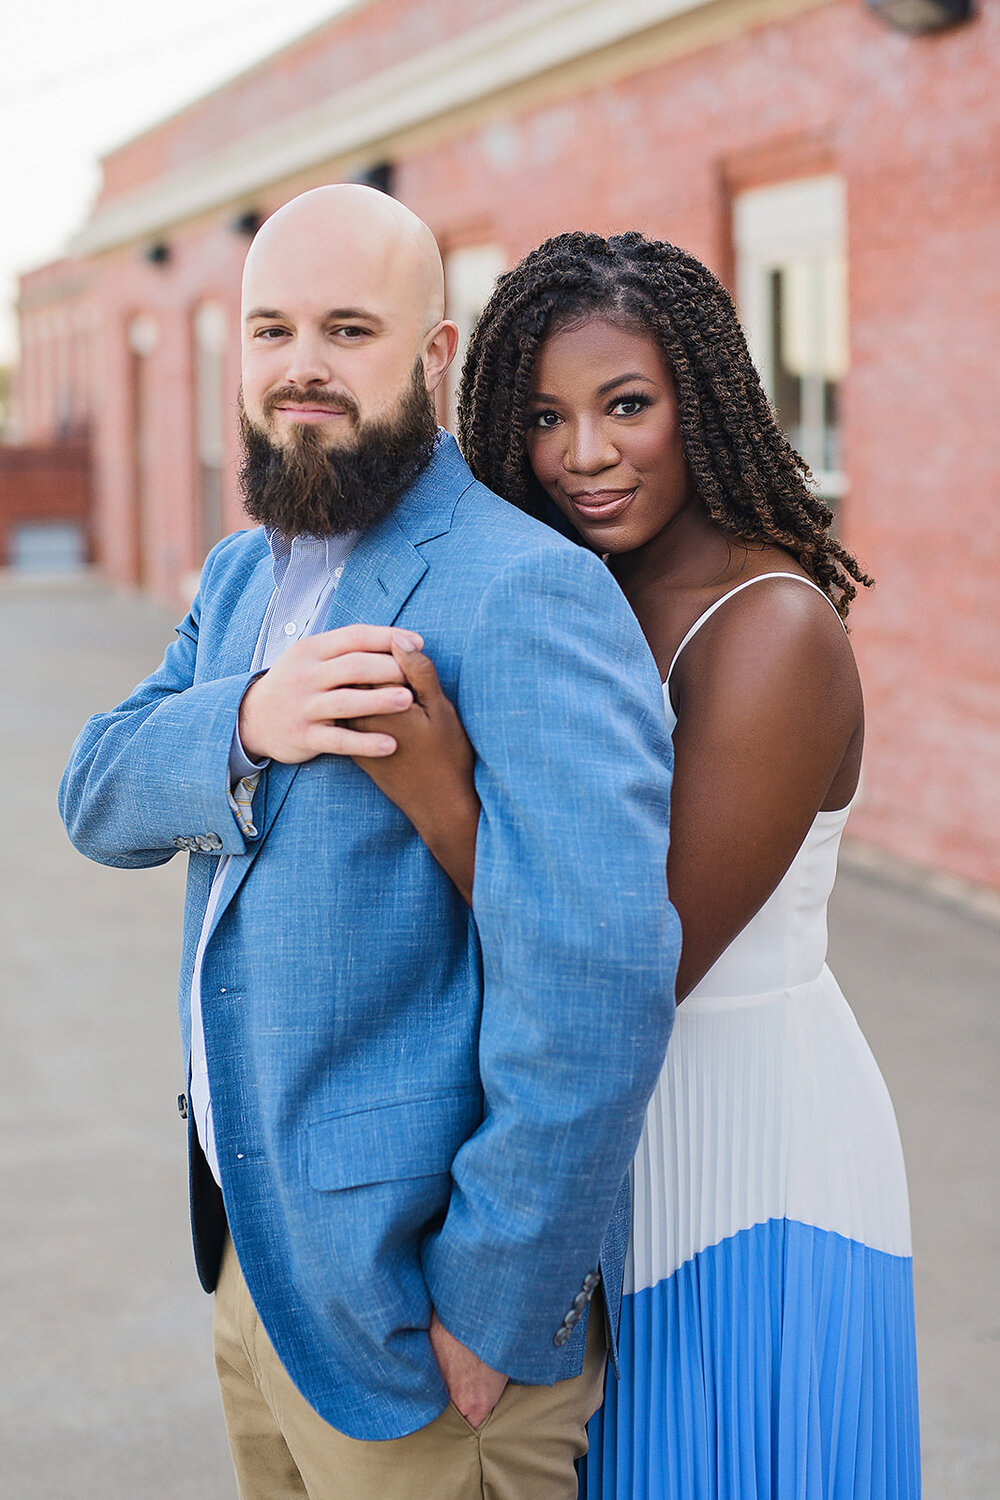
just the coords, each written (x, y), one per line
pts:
(404, 699)
(407, 640)
(386, 747)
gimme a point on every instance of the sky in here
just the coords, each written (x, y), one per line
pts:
(79, 79)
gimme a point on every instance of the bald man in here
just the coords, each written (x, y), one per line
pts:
(408, 1126)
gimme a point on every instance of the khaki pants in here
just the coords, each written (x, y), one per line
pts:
(283, 1450)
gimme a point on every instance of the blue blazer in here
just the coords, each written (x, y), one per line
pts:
(414, 1108)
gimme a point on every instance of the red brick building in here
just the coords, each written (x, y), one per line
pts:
(843, 177)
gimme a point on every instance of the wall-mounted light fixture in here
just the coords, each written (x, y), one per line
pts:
(922, 17)
(378, 176)
(247, 223)
(158, 254)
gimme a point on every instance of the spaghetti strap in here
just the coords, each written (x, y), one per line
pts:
(710, 611)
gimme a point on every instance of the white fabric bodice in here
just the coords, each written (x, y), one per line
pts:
(770, 1105)
(785, 943)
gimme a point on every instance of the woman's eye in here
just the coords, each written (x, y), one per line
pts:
(629, 406)
(545, 420)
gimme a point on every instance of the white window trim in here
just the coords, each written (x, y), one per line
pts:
(801, 218)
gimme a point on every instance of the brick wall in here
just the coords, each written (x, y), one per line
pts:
(40, 485)
(913, 125)
(334, 57)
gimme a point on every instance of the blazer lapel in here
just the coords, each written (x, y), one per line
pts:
(233, 647)
(379, 576)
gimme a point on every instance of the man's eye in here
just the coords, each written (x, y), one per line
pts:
(352, 334)
(269, 334)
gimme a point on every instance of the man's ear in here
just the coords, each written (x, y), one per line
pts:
(439, 351)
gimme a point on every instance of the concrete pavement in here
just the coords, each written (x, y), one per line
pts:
(107, 1390)
(106, 1385)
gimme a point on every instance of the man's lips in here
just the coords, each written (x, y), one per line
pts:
(601, 505)
(310, 413)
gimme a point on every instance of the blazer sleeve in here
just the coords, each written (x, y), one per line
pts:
(152, 775)
(562, 701)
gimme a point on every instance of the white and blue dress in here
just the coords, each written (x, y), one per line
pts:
(767, 1333)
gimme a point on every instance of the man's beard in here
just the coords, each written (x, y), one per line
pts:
(309, 488)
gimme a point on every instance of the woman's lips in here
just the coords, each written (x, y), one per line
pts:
(601, 505)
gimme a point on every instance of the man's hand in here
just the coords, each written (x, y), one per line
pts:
(290, 714)
(473, 1387)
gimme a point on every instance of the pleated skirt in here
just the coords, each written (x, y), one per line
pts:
(767, 1344)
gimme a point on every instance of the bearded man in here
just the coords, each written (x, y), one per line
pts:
(408, 1125)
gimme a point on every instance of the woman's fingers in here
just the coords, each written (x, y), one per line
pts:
(418, 670)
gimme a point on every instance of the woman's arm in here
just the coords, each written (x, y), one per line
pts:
(769, 731)
(430, 775)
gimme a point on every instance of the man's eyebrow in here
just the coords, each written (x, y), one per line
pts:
(341, 314)
(333, 315)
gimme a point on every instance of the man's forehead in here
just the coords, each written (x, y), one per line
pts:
(321, 278)
(345, 246)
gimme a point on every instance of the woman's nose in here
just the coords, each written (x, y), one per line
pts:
(589, 449)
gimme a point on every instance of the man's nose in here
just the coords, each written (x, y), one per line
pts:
(308, 363)
(589, 449)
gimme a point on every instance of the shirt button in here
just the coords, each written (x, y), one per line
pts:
(291, 628)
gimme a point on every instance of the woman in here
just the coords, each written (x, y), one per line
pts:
(767, 1342)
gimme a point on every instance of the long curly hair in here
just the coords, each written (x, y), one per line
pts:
(745, 472)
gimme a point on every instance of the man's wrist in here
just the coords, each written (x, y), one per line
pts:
(245, 732)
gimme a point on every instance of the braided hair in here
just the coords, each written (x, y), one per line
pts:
(745, 473)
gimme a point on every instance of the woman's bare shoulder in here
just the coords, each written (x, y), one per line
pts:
(777, 648)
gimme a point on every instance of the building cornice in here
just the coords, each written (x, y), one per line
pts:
(538, 39)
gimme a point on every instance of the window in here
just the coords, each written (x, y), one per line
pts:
(470, 275)
(48, 547)
(209, 420)
(143, 340)
(791, 265)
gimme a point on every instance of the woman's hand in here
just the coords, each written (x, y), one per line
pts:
(430, 775)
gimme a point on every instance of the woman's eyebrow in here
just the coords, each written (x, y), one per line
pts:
(609, 385)
(602, 390)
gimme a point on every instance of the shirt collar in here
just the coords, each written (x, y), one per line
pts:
(336, 549)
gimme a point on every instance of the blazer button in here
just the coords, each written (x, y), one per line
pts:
(182, 1106)
(591, 1282)
(561, 1336)
(579, 1302)
(213, 841)
(177, 841)
(571, 1319)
